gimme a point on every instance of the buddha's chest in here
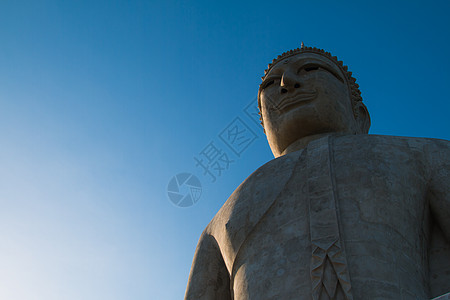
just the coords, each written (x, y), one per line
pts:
(373, 207)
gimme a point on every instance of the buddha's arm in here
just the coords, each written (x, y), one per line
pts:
(440, 186)
(209, 279)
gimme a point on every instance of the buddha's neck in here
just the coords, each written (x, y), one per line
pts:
(303, 142)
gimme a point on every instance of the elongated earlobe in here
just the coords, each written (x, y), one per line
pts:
(362, 117)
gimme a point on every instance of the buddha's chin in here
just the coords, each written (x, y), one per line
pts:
(299, 119)
(297, 128)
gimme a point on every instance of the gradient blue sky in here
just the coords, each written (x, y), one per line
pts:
(102, 102)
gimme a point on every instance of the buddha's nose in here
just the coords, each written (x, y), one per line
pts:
(289, 82)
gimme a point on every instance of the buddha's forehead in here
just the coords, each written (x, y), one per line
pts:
(301, 59)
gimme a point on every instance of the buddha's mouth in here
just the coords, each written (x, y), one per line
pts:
(296, 100)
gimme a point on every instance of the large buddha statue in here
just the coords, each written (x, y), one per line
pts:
(339, 213)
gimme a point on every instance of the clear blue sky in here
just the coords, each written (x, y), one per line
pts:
(102, 102)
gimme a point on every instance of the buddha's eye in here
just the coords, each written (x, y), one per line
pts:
(311, 68)
(308, 68)
(268, 83)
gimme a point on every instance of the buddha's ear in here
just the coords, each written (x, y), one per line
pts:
(362, 117)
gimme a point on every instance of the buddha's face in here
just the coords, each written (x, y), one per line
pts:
(304, 95)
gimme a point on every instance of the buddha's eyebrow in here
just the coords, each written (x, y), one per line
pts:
(333, 72)
(323, 65)
(268, 79)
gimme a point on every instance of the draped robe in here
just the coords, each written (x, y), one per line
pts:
(348, 217)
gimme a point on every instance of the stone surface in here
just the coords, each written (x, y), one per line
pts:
(339, 214)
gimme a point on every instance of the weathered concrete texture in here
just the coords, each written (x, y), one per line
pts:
(339, 214)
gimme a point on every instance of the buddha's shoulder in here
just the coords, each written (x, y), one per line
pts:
(256, 192)
(386, 141)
